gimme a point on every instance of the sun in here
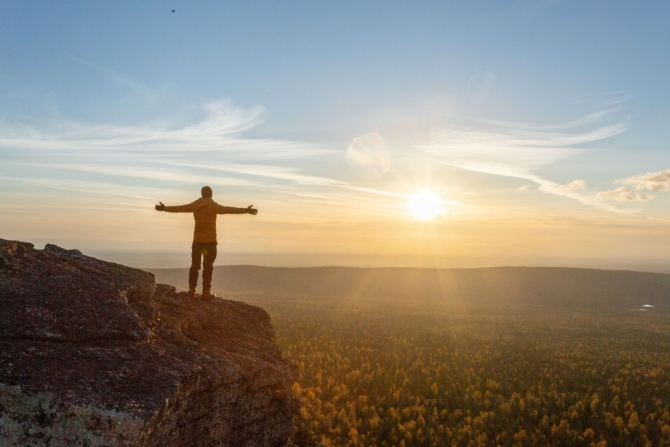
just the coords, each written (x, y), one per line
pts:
(425, 205)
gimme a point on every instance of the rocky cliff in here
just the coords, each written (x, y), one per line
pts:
(96, 354)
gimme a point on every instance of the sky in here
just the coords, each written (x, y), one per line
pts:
(365, 133)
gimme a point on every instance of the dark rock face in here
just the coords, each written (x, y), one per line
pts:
(94, 353)
(54, 294)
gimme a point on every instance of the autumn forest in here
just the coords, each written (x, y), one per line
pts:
(496, 379)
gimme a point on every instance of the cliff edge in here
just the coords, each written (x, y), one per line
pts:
(96, 354)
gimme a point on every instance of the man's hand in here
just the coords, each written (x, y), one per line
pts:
(251, 210)
(160, 207)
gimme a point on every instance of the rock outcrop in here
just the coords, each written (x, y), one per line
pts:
(96, 354)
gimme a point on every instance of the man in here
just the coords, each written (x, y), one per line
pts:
(203, 249)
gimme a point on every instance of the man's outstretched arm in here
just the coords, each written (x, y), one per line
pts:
(232, 210)
(188, 208)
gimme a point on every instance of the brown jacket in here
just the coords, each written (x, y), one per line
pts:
(204, 212)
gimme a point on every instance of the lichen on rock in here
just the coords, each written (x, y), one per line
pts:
(40, 420)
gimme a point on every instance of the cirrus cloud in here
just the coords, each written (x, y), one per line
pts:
(519, 150)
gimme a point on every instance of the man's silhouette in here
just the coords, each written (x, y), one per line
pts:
(204, 212)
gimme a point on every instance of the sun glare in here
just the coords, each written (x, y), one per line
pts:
(425, 205)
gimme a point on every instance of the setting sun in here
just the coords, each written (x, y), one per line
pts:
(425, 205)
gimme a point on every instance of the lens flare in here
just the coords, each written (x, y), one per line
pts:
(425, 205)
(369, 153)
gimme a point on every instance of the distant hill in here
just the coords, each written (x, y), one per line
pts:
(518, 286)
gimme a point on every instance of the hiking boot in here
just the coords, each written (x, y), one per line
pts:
(190, 293)
(207, 294)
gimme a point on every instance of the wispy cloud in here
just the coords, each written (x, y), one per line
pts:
(143, 160)
(573, 185)
(90, 187)
(220, 132)
(146, 173)
(274, 172)
(518, 150)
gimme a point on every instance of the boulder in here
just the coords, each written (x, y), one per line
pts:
(95, 354)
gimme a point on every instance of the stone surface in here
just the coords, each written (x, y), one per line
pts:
(94, 353)
(52, 294)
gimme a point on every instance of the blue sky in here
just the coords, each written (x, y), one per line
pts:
(540, 127)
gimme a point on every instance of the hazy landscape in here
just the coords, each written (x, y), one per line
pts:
(428, 289)
(500, 356)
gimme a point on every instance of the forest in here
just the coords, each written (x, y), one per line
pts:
(397, 376)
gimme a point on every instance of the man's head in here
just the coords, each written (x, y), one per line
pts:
(206, 192)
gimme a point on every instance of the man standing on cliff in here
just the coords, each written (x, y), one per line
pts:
(203, 249)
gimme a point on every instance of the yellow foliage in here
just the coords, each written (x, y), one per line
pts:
(416, 380)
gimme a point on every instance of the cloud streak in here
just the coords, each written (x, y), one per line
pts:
(89, 187)
(273, 172)
(146, 173)
(624, 194)
(518, 150)
(220, 132)
(573, 185)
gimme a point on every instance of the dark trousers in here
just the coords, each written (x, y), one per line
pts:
(204, 252)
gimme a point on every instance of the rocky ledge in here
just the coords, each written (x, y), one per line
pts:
(96, 354)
